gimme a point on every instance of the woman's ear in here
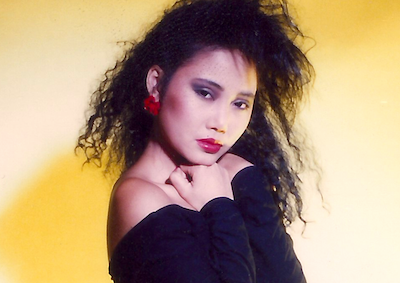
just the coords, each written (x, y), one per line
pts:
(153, 79)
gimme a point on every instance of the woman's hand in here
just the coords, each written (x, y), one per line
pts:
(199, 184)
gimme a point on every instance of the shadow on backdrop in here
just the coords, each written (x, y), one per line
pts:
(55, 230)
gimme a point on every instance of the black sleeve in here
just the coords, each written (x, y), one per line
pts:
(272, 247)
(230, 249)
(179, 245)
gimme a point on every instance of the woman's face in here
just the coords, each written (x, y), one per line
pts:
(207, 105)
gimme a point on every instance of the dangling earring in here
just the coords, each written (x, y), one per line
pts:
(151, 105)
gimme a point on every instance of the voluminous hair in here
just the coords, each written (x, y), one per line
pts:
(266, 35)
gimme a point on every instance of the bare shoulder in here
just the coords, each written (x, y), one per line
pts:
(233, 164)
(131, 201)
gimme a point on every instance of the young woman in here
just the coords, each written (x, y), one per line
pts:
(200, 117)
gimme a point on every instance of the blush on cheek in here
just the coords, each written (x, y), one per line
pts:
(173, 102)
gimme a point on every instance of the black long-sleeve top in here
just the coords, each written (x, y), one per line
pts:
(227, 241)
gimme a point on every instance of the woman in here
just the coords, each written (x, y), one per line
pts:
(200, 116)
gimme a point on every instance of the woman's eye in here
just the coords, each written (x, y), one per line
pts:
(241, 105)
(205, 93)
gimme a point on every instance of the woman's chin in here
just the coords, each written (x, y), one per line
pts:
(206, 160)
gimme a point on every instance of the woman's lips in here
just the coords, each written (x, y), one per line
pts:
(210, 145)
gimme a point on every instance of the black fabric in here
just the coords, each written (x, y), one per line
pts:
(227, 241)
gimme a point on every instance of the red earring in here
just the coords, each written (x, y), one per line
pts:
(151, 105)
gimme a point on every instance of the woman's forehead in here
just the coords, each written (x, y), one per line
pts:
(222, 66)
(219, 60)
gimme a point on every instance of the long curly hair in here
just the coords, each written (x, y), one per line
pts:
(266, 35)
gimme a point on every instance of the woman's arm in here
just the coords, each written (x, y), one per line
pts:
(272, 247)
(131, 201)
(209, 190)
(179, 245)
(230, 250)
(172, 244)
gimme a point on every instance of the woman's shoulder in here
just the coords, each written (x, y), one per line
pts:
(233, 164)
(131, 201)
(136, 195)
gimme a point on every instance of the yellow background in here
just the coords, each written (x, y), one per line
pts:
(53, 213)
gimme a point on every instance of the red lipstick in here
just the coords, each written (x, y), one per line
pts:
(210, 145)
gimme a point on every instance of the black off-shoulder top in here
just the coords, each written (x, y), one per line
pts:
(227, 241)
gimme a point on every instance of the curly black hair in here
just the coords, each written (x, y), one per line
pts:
(266, 35)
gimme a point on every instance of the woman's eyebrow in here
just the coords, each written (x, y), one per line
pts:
(248, 94)
(216, 85)
(212, 83)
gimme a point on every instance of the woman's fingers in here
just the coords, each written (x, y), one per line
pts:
(199, 184)
(179, 180)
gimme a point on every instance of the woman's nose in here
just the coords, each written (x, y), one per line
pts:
(219, 120)
(222, 131)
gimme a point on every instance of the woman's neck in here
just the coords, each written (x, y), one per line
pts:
(155, 164)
